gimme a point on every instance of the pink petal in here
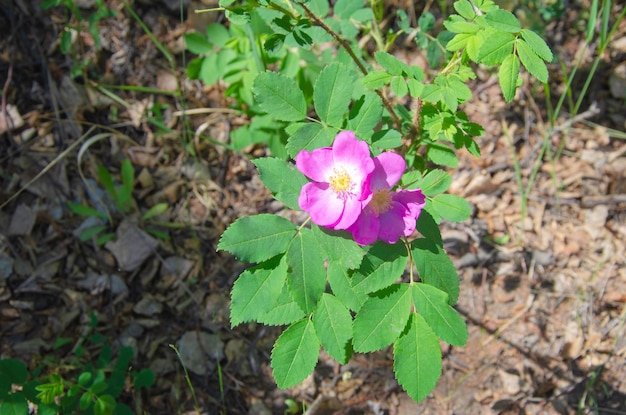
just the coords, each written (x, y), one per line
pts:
(392, 224)
(365, 229)
(353, 155)
(351, 211)
(317, 164)
(321, 203)
(388, 170)
(414, 200)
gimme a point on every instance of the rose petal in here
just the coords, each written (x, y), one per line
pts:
(321, 203)
(392, 223)
(316, 165)
(353, 155)
(388, 170)
(365, 229)
(351, 211)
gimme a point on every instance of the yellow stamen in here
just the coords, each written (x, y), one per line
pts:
(340, 181)
(381, 201)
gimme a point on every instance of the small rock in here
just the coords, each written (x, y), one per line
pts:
(617, 81)
(148, 306)
(132, 247)
(22, 221)
(199, 350)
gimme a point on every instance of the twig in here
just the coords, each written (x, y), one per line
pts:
(344, 43)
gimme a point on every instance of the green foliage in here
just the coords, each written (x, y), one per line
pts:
(329, 291)
(91, 390)
(118, 200)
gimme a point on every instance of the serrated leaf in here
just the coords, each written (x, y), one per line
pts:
(495, 48)
(382, 265)
(399, 86)
(14, 404)
(196, 43)
(465, 9)
(309, 137)
(537, 44)
(282, 179)
(501, 19)
(382, 318)
(332, 93)
(432, 304)
(427, 226)
(340, 284)
(295, 354)
(257, 238)
(333, 325)
(442, 155)
(345, 8)
(376, 79)
(531, 61)
(417, 359)
(459, 41)
(385, 139)
(285, 311)
(365, 114)
(507, 76)
(339, 247)
(307, 274)
(452, 207)
(279, 96)
(435, 182)
(392, 64)
(435, 267)
(257, 290)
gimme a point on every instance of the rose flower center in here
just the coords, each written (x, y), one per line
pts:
(340, 182)
(381, 201)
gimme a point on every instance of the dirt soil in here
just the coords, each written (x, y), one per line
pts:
(541, 261)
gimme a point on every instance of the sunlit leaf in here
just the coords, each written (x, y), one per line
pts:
(295, 354)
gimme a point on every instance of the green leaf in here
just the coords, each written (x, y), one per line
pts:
(295, 354)
(495, 48)
(106, 180)
(257, 290)
(307, 274)
(196, 43)
(143, 379)
(507, 76)
(442, 155)
(531, 61)
(282, 179)
(279, 96)
(537, 44)
(333, 325)
(452, 207)
(432, 304)
(417, 359)
(382, 265)
(257, 238)
(332, 93)
(377, 79)
(155, 210)
(435, 182)
(427, 226)
(85, 400)
(465, 9)
(345, 8)
(12, 372)
(504, 20)
(84, 378)
(435, 267)
(382, 318)
(387, 139)
(339, 247)
(340, 283)
(217, 34)
(105, 405)
(309, 137)
(365, 114)
(399, 86)
(14, 404)
(285, 311)
(392, 64)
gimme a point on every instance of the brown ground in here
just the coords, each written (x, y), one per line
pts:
(543, 291)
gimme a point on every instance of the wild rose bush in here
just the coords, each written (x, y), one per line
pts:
(367, 269)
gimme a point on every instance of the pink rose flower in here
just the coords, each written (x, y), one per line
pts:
(340, 181)
(388, 215)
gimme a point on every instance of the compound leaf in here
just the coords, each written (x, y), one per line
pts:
(333, 325)
(382, 265)
(257, 290)
(382, 318)
(417, 358)
(531, 61)
(295, 353)
(435, 267)
(432, 304)
(282, 179)
(257, 238)
(280, 96)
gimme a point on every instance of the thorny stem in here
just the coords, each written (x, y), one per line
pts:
(344, 43)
